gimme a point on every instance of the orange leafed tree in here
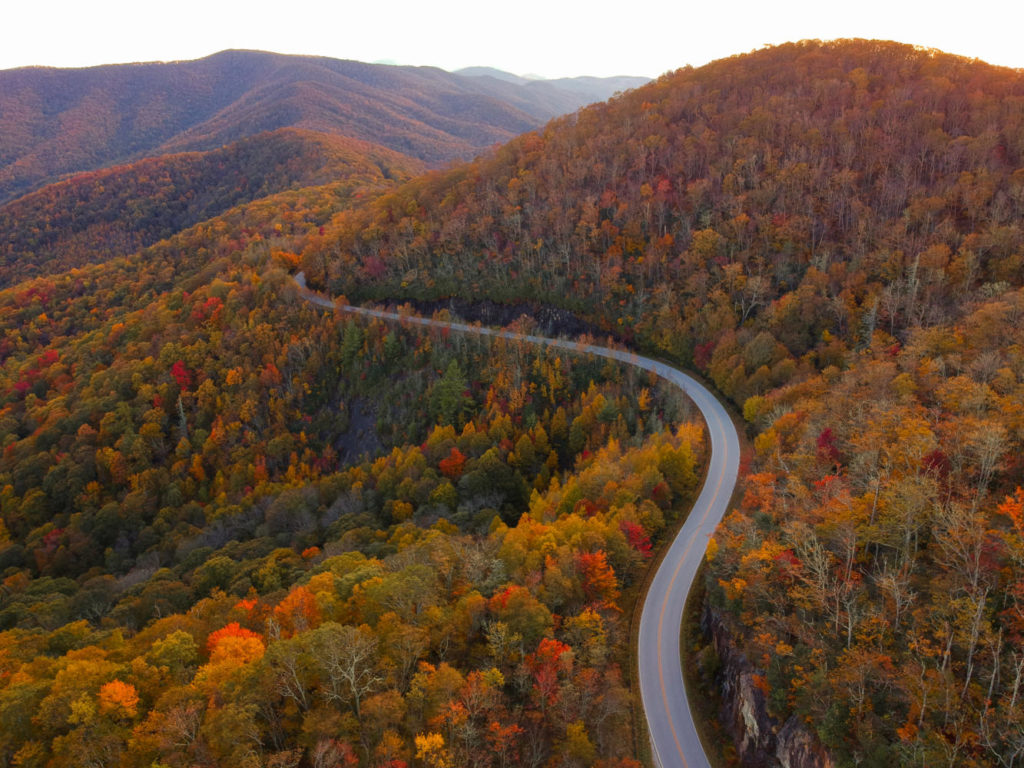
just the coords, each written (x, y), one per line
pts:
(297, 612)
(1013, 508)
(232, 630)
(117, 697)
(599, 582)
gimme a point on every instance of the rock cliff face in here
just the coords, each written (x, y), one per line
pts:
(796, 747)
(761, 741)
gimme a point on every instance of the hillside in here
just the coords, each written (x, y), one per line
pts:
(215, 497)
(56, 121)
(95, 216)
(237, 530)
(798, 223)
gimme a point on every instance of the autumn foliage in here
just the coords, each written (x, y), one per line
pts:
(240, 530)
(317, 597)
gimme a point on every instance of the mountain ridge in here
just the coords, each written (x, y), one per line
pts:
(830, 232)
(116, 211)
(588, 87)
(63, 121)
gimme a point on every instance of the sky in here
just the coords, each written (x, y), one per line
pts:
(550, 38)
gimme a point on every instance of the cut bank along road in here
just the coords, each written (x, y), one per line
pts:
(674, 739)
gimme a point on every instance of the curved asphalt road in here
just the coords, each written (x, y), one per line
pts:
(674, 739)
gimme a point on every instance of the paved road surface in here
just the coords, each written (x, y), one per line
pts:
(674, 739)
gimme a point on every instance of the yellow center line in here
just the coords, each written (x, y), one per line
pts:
(668, 591)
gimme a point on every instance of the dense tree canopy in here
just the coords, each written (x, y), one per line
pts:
(228, 512)
(831, 232)
(238, 530)
(96, 216)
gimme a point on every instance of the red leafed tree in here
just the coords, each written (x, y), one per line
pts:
(636, 536)
(208, 310)
(453, 464)
(181, 374)
(551, 657)
(828, 451)
(503, 741)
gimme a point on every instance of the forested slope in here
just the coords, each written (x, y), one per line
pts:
(95, 216)
(238, 530)
(61, 121)
(200, 567)
(824, 229)
(876, 561)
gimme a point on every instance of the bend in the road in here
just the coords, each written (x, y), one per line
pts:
(673, 732)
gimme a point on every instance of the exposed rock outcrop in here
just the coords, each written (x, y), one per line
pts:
(796, 747)
(761, 741)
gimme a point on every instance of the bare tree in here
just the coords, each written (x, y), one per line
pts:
(347, 658)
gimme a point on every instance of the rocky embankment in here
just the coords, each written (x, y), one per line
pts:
(761, 740)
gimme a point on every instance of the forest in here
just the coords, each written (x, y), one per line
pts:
(97, 216)
(195, 547)
(238, 530)
(831, 233)
(58, 122)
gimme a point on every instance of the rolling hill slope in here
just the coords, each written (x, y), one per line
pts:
(183, 438)
(832, 233)
(115, 212)
(752, 170)
(55, 122)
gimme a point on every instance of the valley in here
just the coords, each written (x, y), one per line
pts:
(238, 529)
(674, 736)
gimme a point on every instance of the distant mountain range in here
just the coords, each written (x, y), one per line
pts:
(575, 90)
(57, 122)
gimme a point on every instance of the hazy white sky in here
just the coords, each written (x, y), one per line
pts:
(548, 37)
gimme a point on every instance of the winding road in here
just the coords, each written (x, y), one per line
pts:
(674, 739)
